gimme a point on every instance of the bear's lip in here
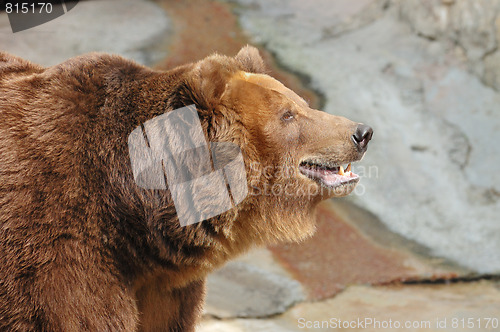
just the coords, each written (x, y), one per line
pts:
(330, 176)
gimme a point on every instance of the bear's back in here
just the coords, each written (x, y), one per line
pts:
(10, 64)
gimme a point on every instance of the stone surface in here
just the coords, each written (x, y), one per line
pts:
(492, 69)
(136, 29)
(473, 25)
(320, 18)
(424, 307)
(421, 306)
(429, 173)
(429, 18)
(244, 290)
(339, 255)
(245, 325)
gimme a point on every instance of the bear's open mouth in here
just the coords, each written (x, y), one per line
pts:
(329, 175)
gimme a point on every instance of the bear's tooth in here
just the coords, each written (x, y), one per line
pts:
(341, 170)
(348, 169)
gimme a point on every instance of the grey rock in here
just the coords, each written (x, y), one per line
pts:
(136, 29)
(430, 173)
(429, 18)
(244, 290)
(248, 325)
(421, 305)
(471, 24)
(324, 19)
(474, 25)
(491, 74)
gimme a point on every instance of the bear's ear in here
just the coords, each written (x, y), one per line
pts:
(207, 82)
(208, 78)
(250, 60)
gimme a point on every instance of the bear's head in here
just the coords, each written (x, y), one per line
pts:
(294, 156)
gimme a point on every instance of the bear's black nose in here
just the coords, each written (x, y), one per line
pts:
(362, 135)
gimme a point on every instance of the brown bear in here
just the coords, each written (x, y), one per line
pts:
(83, 247)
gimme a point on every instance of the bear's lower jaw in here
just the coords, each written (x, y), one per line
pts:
(333, 178)
(342, 189)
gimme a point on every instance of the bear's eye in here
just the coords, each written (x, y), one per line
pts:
(287, 116)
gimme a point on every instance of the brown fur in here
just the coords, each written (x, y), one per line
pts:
(82, 247)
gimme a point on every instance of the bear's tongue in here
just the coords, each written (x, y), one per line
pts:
(331, 177)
